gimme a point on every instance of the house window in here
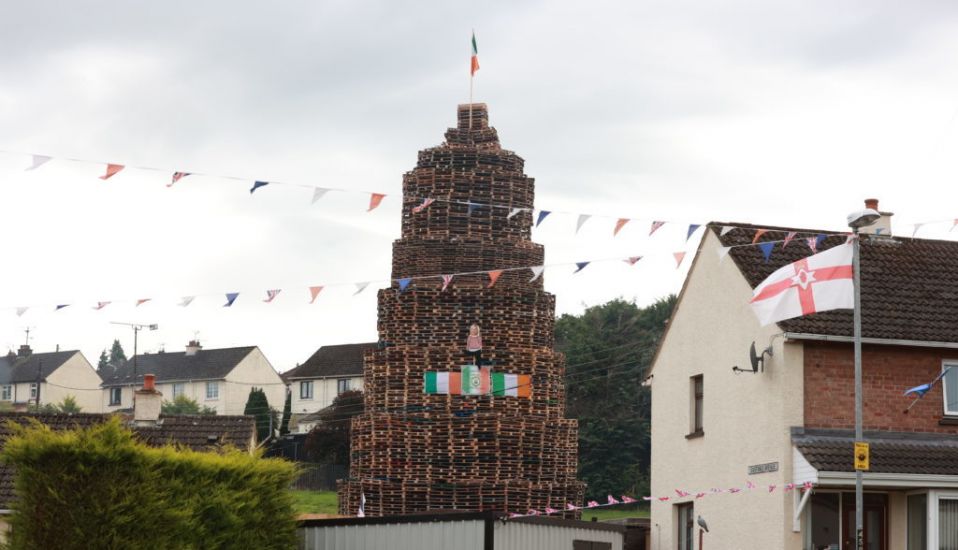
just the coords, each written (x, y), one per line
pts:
(696, 391)
(948, 522)
(7, 393)
(33, 390)
(686, 525)
(179, 389)
(823, 514)
(115, 396)
(342, 386)
(950, 384)
(306, 389)
(917, 522)
(212, 390)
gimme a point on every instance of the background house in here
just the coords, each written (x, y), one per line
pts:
(793, 420)
(217, 378)
(60, 374)
(330, 371)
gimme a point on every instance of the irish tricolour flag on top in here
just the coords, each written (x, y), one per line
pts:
(817, 283)
(473, 380)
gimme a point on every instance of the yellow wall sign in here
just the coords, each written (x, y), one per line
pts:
(861, 455)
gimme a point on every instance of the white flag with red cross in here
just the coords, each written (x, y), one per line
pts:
(817, 283)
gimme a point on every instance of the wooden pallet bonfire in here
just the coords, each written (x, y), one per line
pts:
(414, 450)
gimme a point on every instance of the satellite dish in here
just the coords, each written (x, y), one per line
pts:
(754, 358)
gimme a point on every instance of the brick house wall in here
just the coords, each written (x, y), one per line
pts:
(887, 371)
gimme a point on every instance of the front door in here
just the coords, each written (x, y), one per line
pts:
(874, 521)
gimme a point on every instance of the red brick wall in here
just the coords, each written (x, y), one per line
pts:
(887, 371)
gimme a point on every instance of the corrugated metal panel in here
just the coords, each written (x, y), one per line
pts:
(513, 535)
(446, 535)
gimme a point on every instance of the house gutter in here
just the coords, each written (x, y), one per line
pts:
(889, 480)
(877, 341)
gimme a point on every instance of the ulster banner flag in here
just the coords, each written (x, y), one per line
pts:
(818, 283)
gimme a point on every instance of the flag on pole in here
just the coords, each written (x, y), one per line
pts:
(817, 283)
(921, 390)
(361, 513)
(474, 64)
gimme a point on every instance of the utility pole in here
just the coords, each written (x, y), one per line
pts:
(39, 375)
(137, 327)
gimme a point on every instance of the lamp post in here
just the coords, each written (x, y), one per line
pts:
(856, 221)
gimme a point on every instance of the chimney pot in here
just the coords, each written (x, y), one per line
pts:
(149, 382)
(871, 203)
(882, 227)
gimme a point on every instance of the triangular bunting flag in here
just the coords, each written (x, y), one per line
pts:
(374, 200)
(723, 252)
(471, 207)
(679, 256)
(819, 239)
(446, 279)
(257, 185)
(360, 287)
(767, 249)
(591, 504)
(726, 229)
(493, 277)
(186, 300)
(771, 488)
(619, 224)
(580, 266)
(627, 499)
(177, 176)
(550, 511)
(314, 292)
(21, 311)
(425, 204)
(271, 295)
(536, 272)
(101, 305)
(612, 500)
(953, 225)
(917, 227)
(542, 216)
(111, 170)
(788, 238)
(513, 212)
(758, 234)
(142, 301)
(632, 260)
(38, 161)
(655, 227)
(582, 219)
(230, 298)
(61, 306)
(318, 193)
(404, 284)
(571, 507)
(692, 228)
(812, 243)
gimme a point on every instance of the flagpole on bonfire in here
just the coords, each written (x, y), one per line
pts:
(473, 67)
(856, 221)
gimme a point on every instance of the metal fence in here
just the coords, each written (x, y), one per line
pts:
(319, 477)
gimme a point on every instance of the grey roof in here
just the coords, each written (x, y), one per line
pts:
(206, 364)
(332, 361)
(18, 369)
(890, 452)
(199, 432)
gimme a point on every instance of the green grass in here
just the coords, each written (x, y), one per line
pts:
(316, 502)
(618, 512)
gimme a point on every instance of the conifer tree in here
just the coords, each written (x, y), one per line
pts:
(258, 406)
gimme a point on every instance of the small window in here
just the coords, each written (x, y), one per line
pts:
(950, 384)
(179, 389)
(697, 389)
(212, 390)
(306, 389)
(686, 526)
(33, 390)
(115, 394)
(7, 393)
(342, 385)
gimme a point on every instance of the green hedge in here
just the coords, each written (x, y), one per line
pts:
(100, 488)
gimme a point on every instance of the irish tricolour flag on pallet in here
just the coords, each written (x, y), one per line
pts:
(474, 380)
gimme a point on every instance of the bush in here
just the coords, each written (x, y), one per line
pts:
(100, 488)
(182, 404)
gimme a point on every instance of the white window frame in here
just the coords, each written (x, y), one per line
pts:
(179, 388)
(935, 497)
(213, 390)
(7, 393)
(306, 385)
(118, 391)
(944, 386)
(33, 390)
(342, 385)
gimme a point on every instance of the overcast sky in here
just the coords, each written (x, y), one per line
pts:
(775, 113)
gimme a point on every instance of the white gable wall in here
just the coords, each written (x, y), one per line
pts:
(76, 377)
(324, 391)
(746, 416)
(253, 371)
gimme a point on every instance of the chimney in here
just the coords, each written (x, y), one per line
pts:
(24, 350)
(882, 226)
(147, 402)
(193, 347)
